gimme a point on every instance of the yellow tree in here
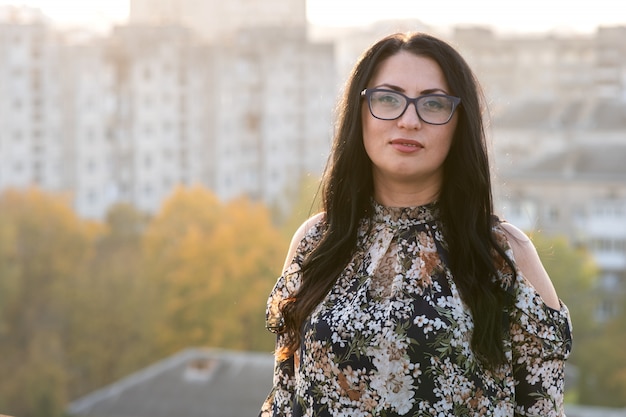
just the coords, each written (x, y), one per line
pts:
(44, 246)
(111, 315)
(176, 264)
(213, 265)
(255, 254)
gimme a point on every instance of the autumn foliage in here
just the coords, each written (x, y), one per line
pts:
(83, 303)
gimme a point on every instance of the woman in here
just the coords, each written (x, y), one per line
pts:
(406, 296)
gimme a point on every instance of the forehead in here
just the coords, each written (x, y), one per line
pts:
(409, 71)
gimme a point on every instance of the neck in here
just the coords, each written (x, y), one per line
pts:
(405, 195)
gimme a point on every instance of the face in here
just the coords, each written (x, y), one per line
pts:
(406, 151)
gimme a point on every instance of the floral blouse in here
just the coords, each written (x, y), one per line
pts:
(392, 337)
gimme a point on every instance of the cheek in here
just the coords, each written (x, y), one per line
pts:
(373, 137)
(449, 135)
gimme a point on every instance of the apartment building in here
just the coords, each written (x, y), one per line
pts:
(269, 94)
(274, 95)
(246, 116)
(128, 117)
(610, 69)
(89, 109)
(579, 193)
(214, 20)
(558, 139)
(32, 141)
(160, 136)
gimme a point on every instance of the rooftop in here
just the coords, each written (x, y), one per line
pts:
(192, 383)
(207, 383)
(581, 163)
(609, 114)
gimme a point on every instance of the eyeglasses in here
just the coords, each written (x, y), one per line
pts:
(434, 109)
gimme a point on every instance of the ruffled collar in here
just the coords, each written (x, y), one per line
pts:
(405, 216)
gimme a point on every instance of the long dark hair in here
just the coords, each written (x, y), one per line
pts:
(465, 201)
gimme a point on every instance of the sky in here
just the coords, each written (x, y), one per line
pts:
(504, 15)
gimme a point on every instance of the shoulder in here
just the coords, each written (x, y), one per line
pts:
(529, 264)
(300, 234)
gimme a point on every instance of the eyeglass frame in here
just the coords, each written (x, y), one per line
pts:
(367, 93)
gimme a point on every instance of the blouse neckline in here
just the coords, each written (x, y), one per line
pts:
(405, 216)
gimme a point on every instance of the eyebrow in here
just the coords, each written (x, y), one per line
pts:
(402, 90)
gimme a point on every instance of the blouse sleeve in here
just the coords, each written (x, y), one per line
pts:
(279, 402)
(540, 339)
(541, 342)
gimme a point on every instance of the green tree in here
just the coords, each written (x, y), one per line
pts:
(575, 276)
(603, 365)
(595, 354)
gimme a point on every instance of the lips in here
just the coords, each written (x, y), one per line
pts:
(406, 145)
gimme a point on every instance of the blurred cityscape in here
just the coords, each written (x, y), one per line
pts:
(238, 96)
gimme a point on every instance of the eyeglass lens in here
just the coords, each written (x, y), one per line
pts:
(431, 108)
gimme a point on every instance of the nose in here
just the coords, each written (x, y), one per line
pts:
(410, 119)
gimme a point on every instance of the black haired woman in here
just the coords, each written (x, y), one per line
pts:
(406, 296)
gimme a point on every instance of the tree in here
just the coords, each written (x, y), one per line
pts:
(598, 346)
(43, 247)
(213, 266)
(306, 201)
(257, 251)
(111, 309)
(603, 364)
(575, 275)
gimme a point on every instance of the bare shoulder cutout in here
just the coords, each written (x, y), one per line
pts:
(529, 263)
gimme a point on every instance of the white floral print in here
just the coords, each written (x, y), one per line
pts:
(392, 337)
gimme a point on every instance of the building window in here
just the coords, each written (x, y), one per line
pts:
(253, 122)
(606, 310)
(553, 214)
(610, 209)
(610, 281)
(37, 173)
(92, 196)
(608, 245)
(90, 134)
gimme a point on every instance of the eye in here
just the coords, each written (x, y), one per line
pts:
(435, 103)
(387, 98)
